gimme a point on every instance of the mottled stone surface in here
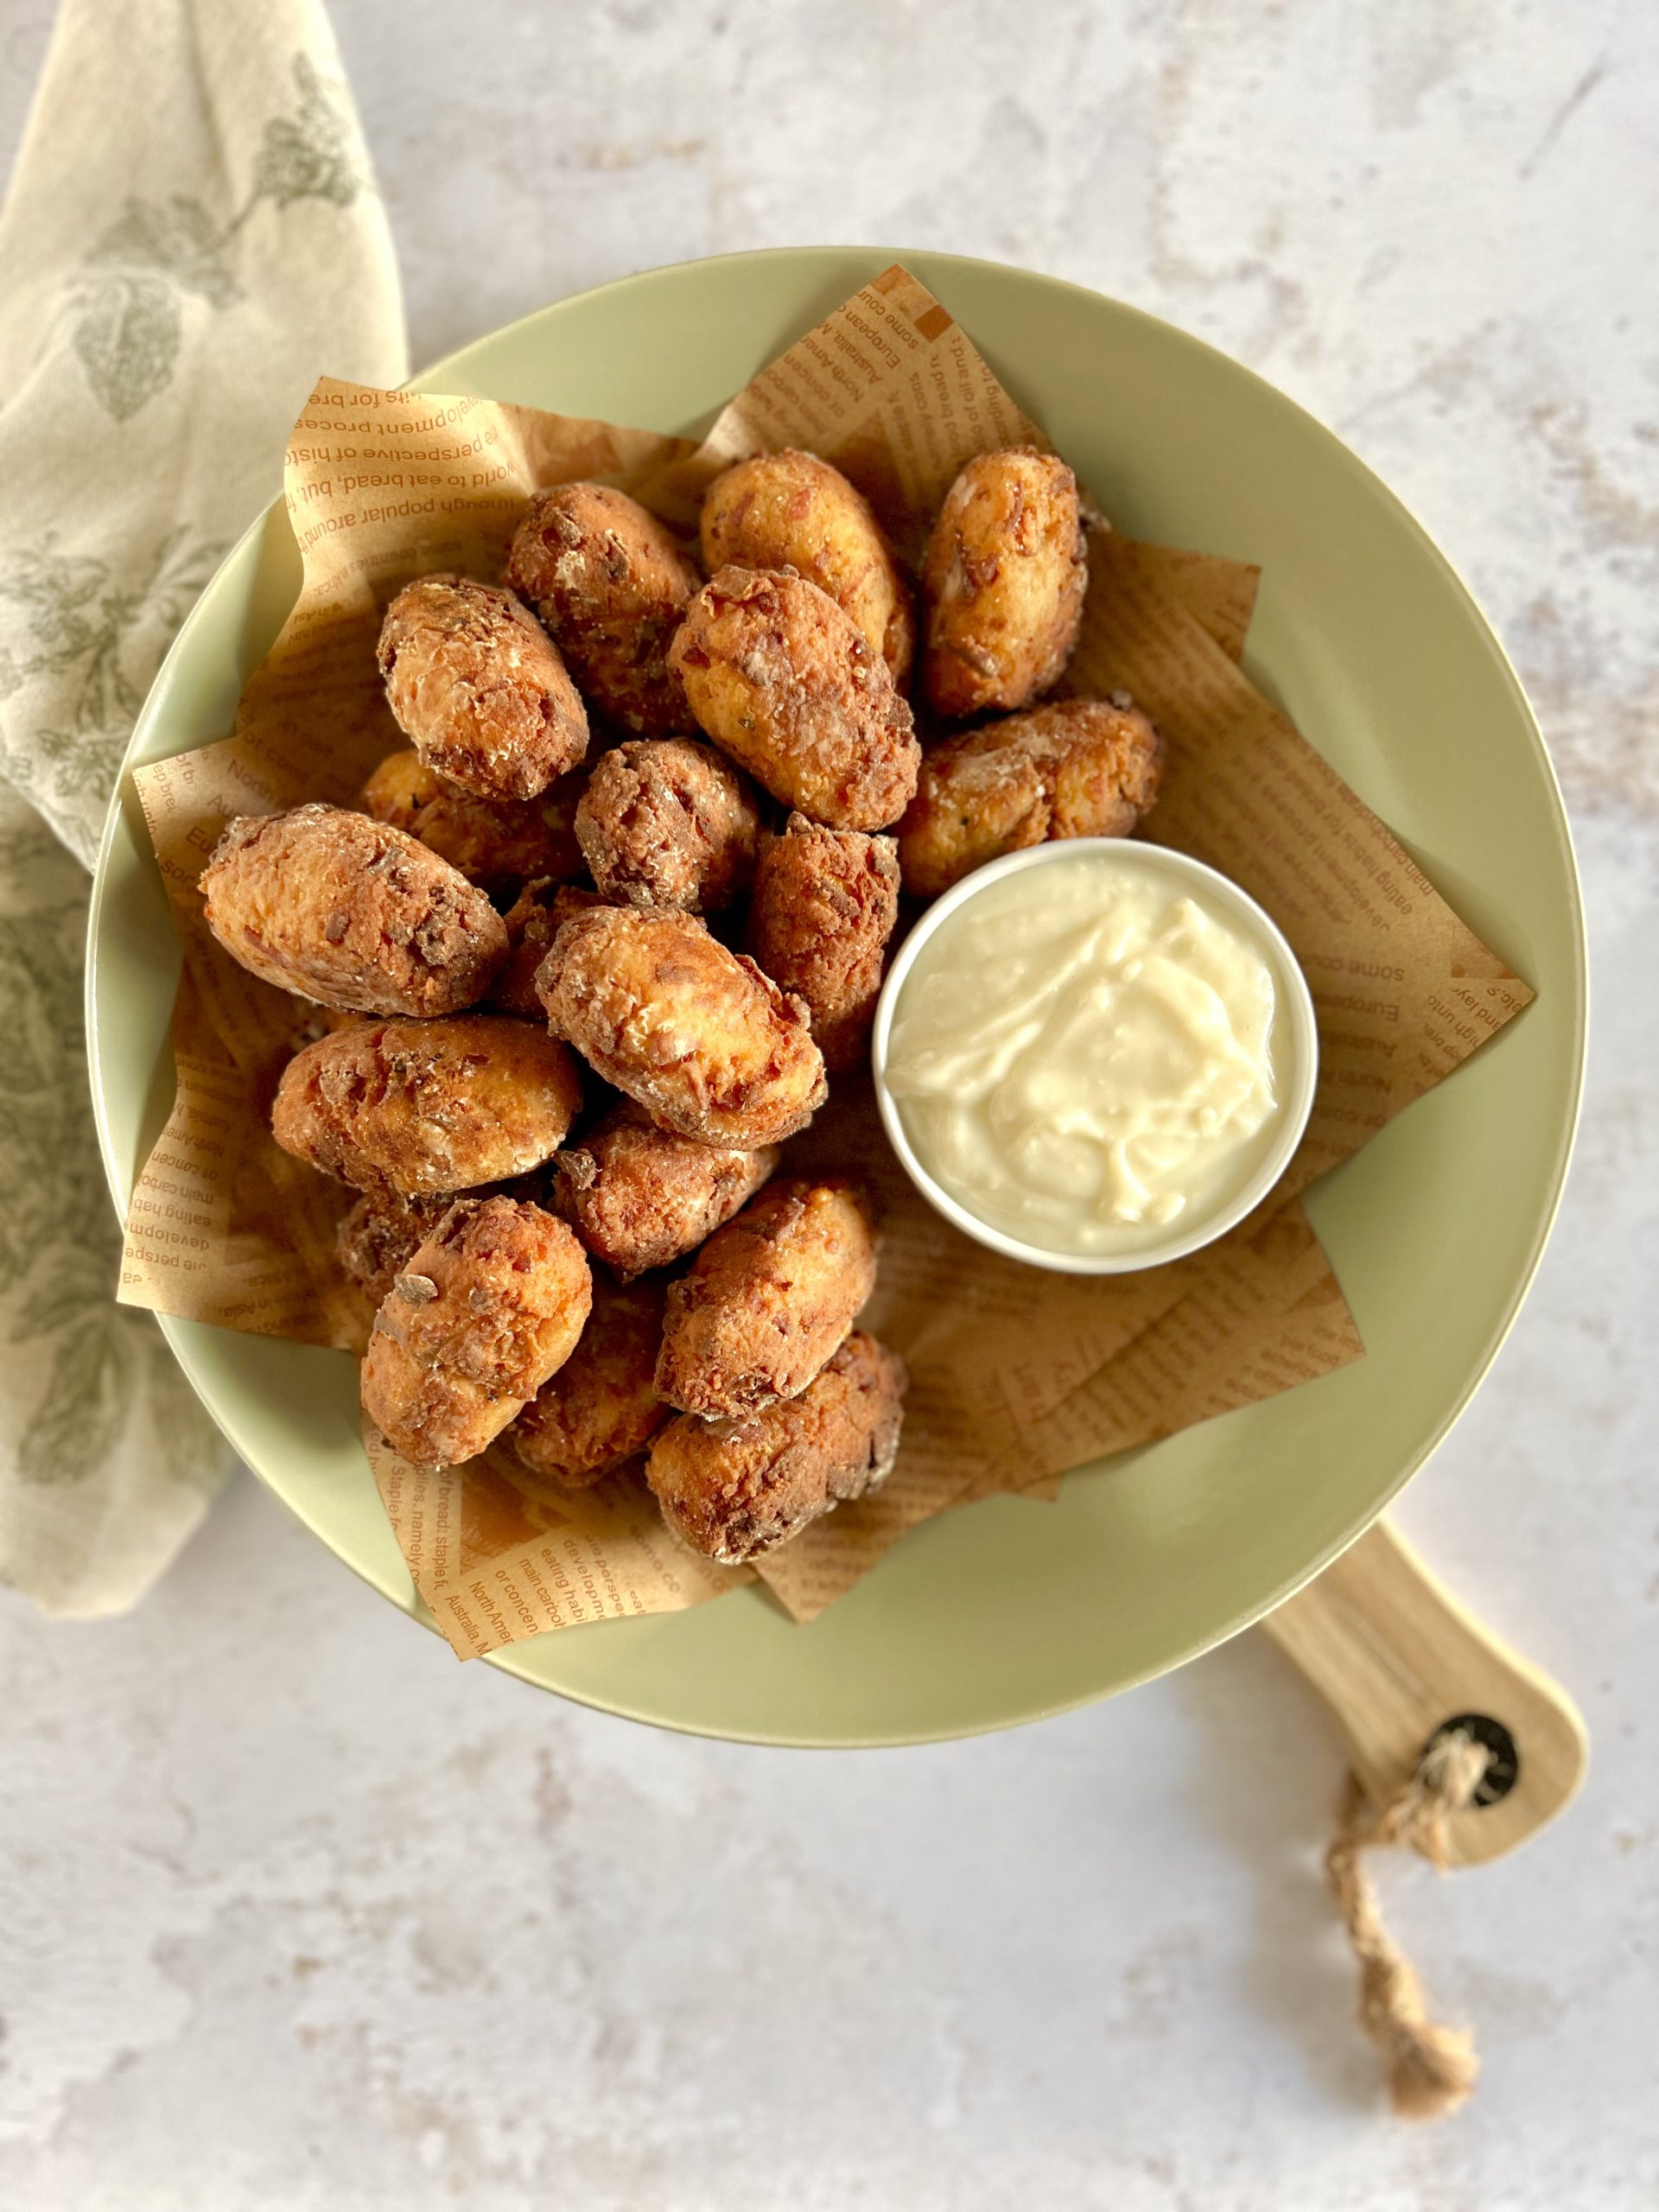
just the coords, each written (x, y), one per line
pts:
(297, 1915)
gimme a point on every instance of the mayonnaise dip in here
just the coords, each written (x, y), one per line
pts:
(1088, 1055)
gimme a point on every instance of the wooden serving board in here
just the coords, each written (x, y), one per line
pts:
(1397, 1659)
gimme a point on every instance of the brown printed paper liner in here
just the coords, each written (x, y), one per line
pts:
(497, 1557)
(1016, 1375)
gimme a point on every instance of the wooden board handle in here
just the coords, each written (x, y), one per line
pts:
(1395, 1658)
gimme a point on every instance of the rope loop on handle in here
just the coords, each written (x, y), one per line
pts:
(1431, 2069)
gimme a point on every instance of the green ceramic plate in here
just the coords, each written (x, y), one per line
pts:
(1011, 1610)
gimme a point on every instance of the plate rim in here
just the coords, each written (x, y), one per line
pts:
(915, 258)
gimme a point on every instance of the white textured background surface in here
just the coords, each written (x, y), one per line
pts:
(294, 1912)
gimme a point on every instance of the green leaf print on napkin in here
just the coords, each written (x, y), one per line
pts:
(307, 156)
(79, 621)
(127, 296)
(89, 1387)
(47, 1139)
(58, 1215)
(128, 341)
(95, 1364)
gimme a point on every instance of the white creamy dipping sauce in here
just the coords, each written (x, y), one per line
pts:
(1085, 1055)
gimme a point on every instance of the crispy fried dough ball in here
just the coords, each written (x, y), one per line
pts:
(350, 912)
(533, 921)
(490, 841)
(767, 1300)
(791, 510)
(490, 1306)
(1003, 579)
(424, 1106)
(736, 1488)
(477, 686)
(378, 1238)
(399, 788)
(1081, 769)
(786, 682)
(641, 1197)
(824, 906)
(705, 1042)
(611, 584)
(666, 822)
(602, 1405)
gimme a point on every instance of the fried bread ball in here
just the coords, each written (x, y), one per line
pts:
(734, 1489)
(382, 1232)
(489, 1308)
(666, 822)
(419, 1107)
(477, 686)
(767, 1300)
(824, 906)
(791, 510)
(1003, 578)
(602, 1406)
(351, 912)
(641, 1197)
(1080, 768)
(533, 921)
(705, 1042)
(490, 841)
(783, 680)
(611, 584)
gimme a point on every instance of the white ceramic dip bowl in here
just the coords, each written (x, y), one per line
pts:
(1294, 1052)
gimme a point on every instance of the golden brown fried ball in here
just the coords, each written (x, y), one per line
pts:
(489, 1306)
(611, 584)
(736, 1488)
(641, 1197)
(666, 822)
(767, 1300)
(786, 682)
(425, 1106)
(1003, 578)
(534, 919)
(351, 912)
(602, 1405)
(477, 686)
(792, 511)
(1081, 769)
(399, 788)
(825, 902)
(490, 841)
(705, 1042)
(378, 1238)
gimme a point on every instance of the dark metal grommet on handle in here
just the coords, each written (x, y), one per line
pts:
(1502, 1755)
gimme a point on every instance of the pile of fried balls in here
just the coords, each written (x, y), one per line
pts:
(586, 954)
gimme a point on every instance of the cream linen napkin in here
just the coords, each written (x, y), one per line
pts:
(191, 238)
